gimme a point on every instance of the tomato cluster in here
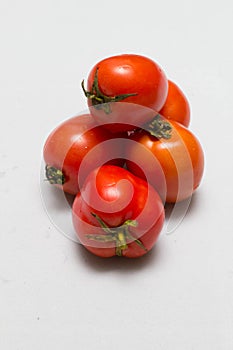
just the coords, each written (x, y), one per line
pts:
(127, 157)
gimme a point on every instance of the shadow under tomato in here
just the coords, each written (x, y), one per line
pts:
(195, 203)
(58, 198)
(116, 263)
(176, 213)
(188, 206)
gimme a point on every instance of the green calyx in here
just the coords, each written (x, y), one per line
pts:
(159, 127)
(98, 99)
(54, 175)
(117, 235)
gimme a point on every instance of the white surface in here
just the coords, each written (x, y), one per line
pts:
(53, 294)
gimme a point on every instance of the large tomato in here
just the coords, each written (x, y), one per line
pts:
(136, 81)
(179, 159)
(176, 106)
(78, 139)
(116, 213)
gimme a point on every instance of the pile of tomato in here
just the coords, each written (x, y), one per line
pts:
(127, 157)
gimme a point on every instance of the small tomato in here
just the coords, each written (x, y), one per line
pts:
(179, 159)
(134, 80)
(70, 143)
(117, 213)
(176, 106)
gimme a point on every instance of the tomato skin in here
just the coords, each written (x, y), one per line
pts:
(128, 74)
(176, 106)
(131, 73)
(68, 144)
(116, 195)
(181, 161)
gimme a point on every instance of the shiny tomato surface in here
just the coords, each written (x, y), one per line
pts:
(179, 159)
(176, 106)
(125, 84)
(117, 213)
(78, 141)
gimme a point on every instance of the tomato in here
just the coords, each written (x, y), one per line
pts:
(120, 86)
(176, 106)
(179, 159)
(116, 213)
(78, 141)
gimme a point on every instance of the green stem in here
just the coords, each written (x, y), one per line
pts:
(159, 127)
(122, 240)
(131, 238)
(102, 223)
(54, 175)
(117, 235)
(98, 98)
(100, 238)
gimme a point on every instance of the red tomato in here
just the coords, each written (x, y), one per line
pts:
(135, 81)
(70, 143)
(176, 106)
(116, 213)
(179, 159)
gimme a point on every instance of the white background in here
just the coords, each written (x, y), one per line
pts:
(54, 294)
